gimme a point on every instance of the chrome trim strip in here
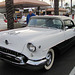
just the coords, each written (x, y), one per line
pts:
(8, 54)
(30, 62)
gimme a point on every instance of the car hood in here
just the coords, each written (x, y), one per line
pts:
(18, 38)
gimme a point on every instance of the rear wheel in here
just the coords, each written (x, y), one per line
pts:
(50, 59)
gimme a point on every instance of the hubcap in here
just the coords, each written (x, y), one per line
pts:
(49, 58)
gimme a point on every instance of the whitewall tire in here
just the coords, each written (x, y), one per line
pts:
(50, 59)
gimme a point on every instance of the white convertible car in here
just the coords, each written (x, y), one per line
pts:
(35, 46)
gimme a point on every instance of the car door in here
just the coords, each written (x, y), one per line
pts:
(69, 32)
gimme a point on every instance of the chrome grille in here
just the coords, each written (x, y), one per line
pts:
(9, 51)
(12, 56)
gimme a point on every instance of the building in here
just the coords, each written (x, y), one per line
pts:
(50, 11)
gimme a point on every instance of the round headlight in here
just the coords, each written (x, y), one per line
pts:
(31, 47)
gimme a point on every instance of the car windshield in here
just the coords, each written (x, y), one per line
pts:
(46, 22)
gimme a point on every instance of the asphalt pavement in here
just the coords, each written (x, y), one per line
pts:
(63, 65)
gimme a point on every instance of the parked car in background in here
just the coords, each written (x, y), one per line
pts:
(3, 24)
(5, 20)
(23, 21)
(35, 46)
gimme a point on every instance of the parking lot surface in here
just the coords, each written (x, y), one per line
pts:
(63, 66)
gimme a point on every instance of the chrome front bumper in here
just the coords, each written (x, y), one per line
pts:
(30, 64)
(20, 60)
(35, 64)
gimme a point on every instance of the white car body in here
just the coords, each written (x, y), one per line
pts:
(42, 38)
(3, 25)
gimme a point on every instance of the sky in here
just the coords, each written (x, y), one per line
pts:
(66, 1)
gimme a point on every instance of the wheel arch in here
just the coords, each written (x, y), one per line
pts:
(56, 50)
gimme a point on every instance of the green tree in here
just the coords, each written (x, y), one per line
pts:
(73, 6)
(66, 5)
(67, 8)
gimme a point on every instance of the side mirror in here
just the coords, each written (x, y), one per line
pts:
(66, 27)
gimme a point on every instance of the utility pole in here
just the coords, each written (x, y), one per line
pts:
(9, 13)
(56, 7)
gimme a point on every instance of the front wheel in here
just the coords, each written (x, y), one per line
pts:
(50, 59)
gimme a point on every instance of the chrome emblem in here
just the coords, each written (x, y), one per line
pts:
(6, 42)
